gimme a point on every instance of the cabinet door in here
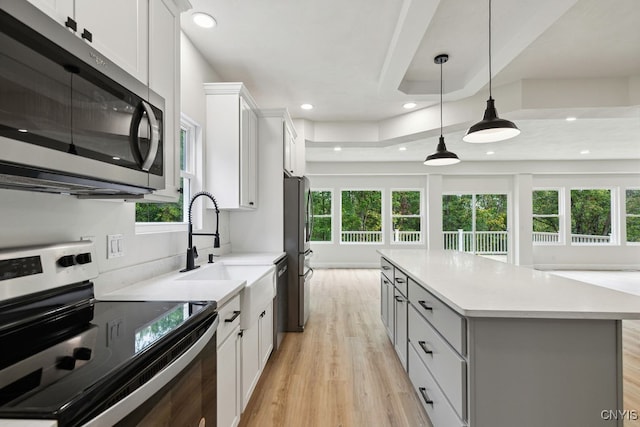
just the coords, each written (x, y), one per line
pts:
(59, 10)
(289, 150)
(250, 362)
(164, 63)
(248, 155)
(229, 381)
(266, 334)
(384, 302)
(400, 325)
(119, 30)
(391, 307)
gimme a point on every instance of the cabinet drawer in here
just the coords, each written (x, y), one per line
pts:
(439, 410)
(447, 322)
(447, 367)
(386, 268)
(229, 315)
(400, 280)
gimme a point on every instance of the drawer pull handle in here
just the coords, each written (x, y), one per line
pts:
(425, 396)
(386, 282)
(236, 313)
(386, 267)
(399, 299)
(400, 280)
(424, 347)
(425, 306)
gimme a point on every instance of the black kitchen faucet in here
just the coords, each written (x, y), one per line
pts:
(192, 252)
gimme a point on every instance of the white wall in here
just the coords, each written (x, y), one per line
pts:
(517, 182)
(28, 218)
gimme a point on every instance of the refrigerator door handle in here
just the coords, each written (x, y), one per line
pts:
(308, 275)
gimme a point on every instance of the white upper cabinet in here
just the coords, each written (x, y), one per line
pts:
(164, 79)
(289, 148)
(117, 28)
(231, 146)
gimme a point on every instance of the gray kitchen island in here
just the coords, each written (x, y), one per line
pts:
(490, 344)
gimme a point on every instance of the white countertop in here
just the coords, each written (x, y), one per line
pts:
(478, 287)
(173, 287)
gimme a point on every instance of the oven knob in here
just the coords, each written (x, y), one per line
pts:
(66, 363)
(66, 261)
(82, 353)
(84, 258)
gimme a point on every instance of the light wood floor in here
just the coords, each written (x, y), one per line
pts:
(343, 371)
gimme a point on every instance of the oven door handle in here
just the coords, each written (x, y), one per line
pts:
(134, 139)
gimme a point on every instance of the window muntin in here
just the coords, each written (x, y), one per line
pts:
(632, 200)
(546, 217)
(322, 230)
(591, 216)
(361, 216)
(406, 216)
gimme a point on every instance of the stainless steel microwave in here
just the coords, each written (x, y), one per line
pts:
(71, 121)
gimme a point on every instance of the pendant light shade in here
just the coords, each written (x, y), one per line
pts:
(491, 128)
(442, 156)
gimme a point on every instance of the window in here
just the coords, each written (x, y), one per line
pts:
(546, 217)
(174, 212)
(405, 216)
(322, 218)
(361, 219)
(633, 216)
(591, 216)
(475, 223)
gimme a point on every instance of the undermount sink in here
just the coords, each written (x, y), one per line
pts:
(258, 291)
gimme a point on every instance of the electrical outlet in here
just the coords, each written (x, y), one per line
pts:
(115, 245)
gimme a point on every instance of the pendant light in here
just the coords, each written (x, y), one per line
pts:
(491, 128)
(442, 156)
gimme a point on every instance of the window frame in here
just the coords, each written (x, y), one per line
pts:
(613, 212)
(330, 215)
(382, 216)
(627, 215)
(420, 215)
(190, 178)
(560, 215)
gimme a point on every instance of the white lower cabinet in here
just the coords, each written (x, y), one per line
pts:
(257, 343)
(229, 398)
(229, 364)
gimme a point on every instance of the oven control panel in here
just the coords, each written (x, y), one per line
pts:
(37, 268)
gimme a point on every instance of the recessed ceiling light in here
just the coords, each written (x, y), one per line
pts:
(203, 20)
(571, 119)
(306, 107)
(490, 153)
(337, 148)
(402, 148)
(585, 152)
(23, 130)
(115, 158)
(409, 105)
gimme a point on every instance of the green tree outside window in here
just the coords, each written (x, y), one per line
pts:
(633, 215)
(361, 218)
(321, 231)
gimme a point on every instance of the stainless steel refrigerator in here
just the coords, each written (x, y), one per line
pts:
(297, 245)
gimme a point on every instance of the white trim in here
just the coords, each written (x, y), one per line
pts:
(330, 215)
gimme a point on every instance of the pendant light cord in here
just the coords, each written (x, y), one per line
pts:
(440, 98)
(490, 97)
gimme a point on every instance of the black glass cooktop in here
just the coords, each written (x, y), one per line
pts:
(60, 358)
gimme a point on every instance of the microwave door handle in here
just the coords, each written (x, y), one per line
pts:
(134, 139)
(155, 137)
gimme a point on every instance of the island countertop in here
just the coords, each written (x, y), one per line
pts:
(479, 287)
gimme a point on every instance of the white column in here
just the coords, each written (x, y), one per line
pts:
(433, 211)
(522, 236)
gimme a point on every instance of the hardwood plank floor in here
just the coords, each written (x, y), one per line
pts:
(342, 370)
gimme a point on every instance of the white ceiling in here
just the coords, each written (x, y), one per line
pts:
(360, 60)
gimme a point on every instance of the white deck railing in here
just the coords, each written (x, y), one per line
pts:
(406, 236)
(485, 242)
(587, 238)
(545, 237)
(361, 237)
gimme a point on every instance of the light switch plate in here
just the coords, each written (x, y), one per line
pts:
(115, 246)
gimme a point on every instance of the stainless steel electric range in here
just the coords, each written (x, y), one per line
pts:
(68, 357)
